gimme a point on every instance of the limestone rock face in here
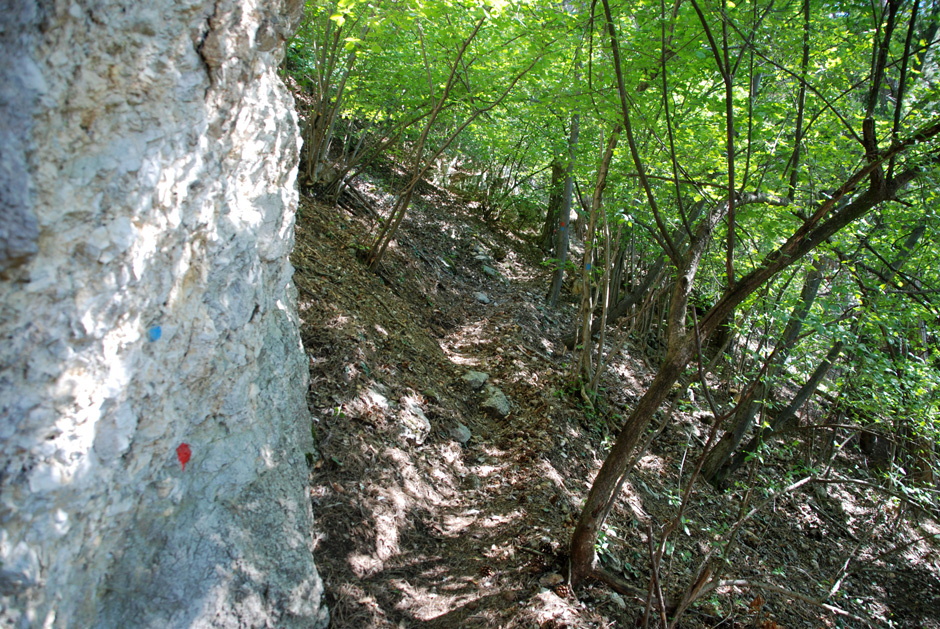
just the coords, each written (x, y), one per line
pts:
(147, 200)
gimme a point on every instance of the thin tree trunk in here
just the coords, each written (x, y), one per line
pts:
(639, 294)
(555, 197)
(387, 234)
(682, 343)
(719, 466)
(584, 368)
(827, 220)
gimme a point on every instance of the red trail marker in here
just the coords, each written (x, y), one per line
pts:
(183, 453)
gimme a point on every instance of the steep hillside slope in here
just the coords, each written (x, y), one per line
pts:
(437, 508)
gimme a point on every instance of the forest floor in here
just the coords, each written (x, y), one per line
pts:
(419, 525)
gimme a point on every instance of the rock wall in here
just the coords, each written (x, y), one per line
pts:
(148, 153)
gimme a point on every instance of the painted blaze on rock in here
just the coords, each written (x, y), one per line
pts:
(146, 216)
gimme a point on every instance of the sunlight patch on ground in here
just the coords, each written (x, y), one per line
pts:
(339, 321)
(427, 603)
(628, 376)
(414, 485)
(442, 476)
(457, 359)
(496, 520)
(470, 336)
(554, 609)
(388, 517)
(454, 524)
(552, 474)
(633, 500)
(390, 507)
(652, 463)
(547, 346)
(515, 272)
(484, 471)
(364, 565)
(453, 454)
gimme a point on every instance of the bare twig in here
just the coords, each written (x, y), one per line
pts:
(770, 587)
(654, 567)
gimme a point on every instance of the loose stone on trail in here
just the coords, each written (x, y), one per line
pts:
(496, 402)
(476, 379)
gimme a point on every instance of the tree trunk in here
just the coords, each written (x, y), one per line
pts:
(827, 220)
(611, 477)
(718, 465)
(743, 419)
(781, 421)
(639, 294)
(682, 346)
(584, 369)
(555, 198)
(387, 234)
(561, 237)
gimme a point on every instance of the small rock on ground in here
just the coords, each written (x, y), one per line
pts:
(461, 433)
(414, 424)
(476, 379)
(495, 402)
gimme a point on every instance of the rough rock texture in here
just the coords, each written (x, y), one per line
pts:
(147, 160)
(476, 379)
(461, 433)
(495, 403)
(413, 423)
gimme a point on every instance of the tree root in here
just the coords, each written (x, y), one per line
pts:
(617, 584)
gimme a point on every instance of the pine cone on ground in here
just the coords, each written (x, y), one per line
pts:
(563, 590)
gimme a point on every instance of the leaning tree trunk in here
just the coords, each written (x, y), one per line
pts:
(719, 471)
(743, 419)
(683, 343)
(782, 420)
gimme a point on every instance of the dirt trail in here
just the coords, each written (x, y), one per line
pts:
(417, 528)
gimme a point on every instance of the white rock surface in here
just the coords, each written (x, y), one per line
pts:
(147, 203)
(413, 423)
